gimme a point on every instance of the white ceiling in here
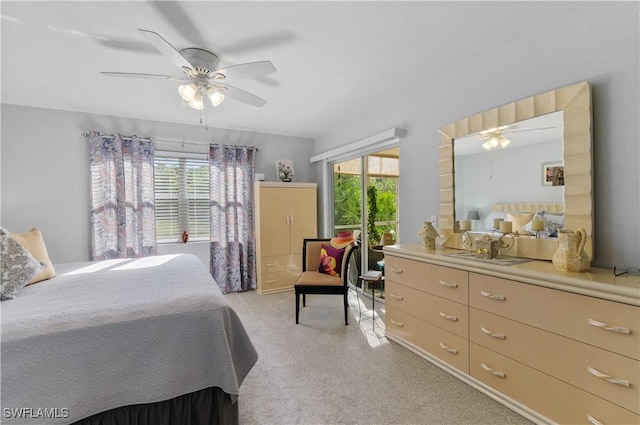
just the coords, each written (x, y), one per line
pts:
(335, 60)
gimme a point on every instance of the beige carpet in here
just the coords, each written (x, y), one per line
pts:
(323, 372)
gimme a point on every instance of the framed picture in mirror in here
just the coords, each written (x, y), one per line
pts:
(553, 174)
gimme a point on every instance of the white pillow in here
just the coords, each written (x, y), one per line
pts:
(552, 223)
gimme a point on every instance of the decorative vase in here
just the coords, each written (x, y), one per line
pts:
(428, 234)
(185, 236)
(570, 255)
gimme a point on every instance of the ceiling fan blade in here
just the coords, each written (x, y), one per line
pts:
(260, 42)
(527, 129)
(174, 13)
(134, 46)
(167, 49)
(137, 75)
(247, 70)
(243, 96)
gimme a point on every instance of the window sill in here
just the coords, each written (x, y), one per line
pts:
(203, 241)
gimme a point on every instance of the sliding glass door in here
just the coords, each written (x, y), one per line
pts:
(365, 201)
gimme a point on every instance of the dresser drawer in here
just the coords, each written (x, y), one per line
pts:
(606, 324)
(561, 402)
(448, 347)
(444, 313)
(566, 359)
(442, 281)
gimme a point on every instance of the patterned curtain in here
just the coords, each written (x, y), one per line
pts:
(122, 196)
(233, 250)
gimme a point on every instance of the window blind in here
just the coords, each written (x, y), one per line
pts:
(182, 198)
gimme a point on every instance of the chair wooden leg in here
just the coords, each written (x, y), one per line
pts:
(346, 309)
(297, 306)
(304, 300)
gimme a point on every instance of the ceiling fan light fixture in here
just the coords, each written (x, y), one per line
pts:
(197, 102)
(188, 91)
(216, 95)
(504, 142)
(496, 140)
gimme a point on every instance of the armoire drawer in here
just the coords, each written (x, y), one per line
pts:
(561, 402)
(442, 281)
(280, 263)
(571, 361)
(606, 324)
(278, 281)
(444, 313)
(448, 347)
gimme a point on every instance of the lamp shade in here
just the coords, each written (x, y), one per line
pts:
(215, 95)
(187, 91)
(197, 102)
(473, 215)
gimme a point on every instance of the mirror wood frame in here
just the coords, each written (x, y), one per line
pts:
(575, 103)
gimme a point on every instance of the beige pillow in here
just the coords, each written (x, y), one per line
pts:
(33, 242)
(519, 220)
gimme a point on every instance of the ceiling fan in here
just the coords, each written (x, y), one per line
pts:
(495, 137)
(202, 76)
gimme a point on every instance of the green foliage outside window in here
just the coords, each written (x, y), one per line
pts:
(347, 199)
(347, 205)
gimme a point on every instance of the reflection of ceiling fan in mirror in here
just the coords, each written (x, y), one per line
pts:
(495, 137)
(202, 76)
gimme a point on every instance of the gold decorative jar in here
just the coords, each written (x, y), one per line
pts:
(428, 234)
(570, 255)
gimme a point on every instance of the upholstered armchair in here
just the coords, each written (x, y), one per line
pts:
(328, 281)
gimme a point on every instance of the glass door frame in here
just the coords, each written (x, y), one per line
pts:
(364, 185)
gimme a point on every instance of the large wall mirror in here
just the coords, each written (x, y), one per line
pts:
(505, 158)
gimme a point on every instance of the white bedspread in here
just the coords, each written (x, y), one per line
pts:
(115, 333)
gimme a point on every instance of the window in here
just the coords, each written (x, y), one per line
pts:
(182, 198)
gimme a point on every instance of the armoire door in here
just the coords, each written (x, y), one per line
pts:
(303, 213)
(274, 221)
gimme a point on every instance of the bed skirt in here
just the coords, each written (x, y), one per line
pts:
(209, 406)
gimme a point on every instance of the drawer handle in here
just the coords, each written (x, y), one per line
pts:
(396, 297)
(593, 420)
(448, 349)
(269, 264)
(492, 333)
(608, 378)
(398, 324)
(607, 327)
(399, 271)
(448, 284)
(492, 371)
(493, 296)
(272, 281)
(448, 316)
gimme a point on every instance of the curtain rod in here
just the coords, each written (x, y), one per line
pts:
(176, 142)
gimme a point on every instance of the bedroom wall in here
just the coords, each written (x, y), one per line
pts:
(597, 42)
(45, 171)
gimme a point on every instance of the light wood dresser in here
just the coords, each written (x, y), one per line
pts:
(555, 347)
(285, 214)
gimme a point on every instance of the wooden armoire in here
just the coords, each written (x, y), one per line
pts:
(285, 214)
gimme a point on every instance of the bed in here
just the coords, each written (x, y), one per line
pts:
(148, 340)
(521, 215)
